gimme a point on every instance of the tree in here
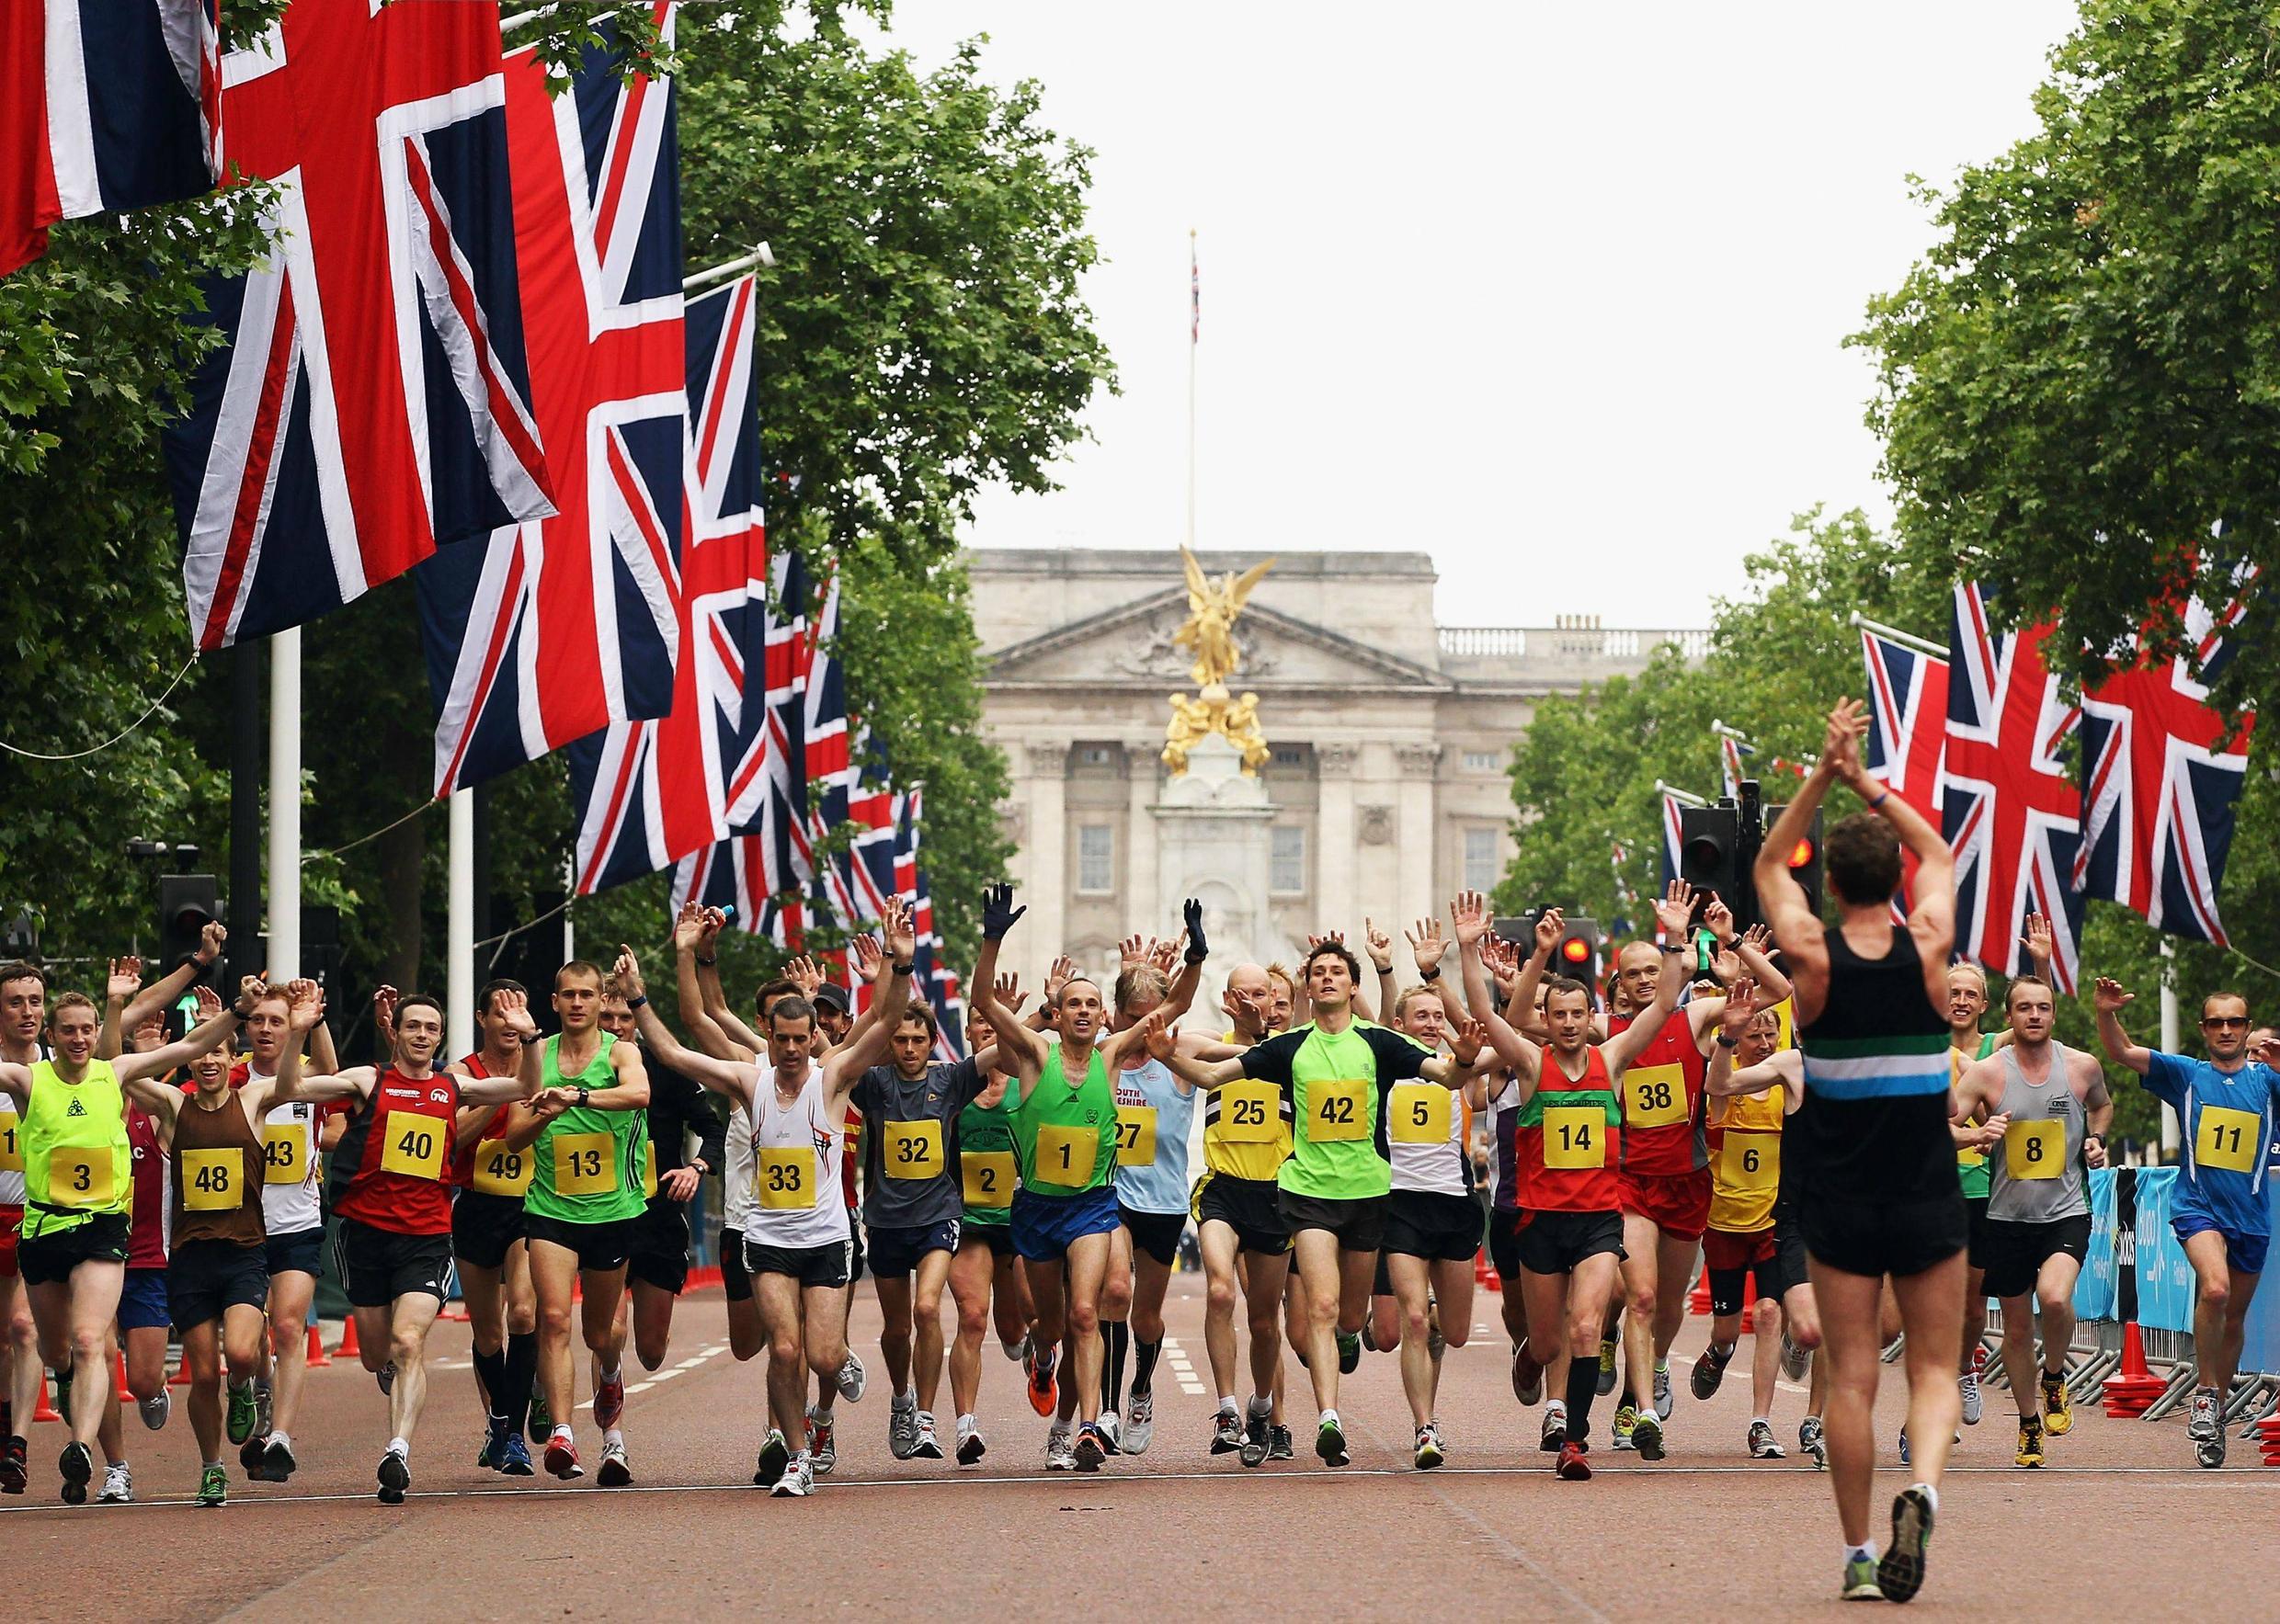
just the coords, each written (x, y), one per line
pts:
(2080, 383)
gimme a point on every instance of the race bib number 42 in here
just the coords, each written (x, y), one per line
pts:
(1337, 1108)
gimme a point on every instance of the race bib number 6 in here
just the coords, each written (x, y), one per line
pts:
(412, 1144)
(1337, 1108)
(1749, 1161)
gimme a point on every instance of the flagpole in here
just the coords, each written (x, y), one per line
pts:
(762, 258)
(1923, 645)
(284, 955)
(1683, 797)
(459, 979)
(2170, 1037)
(1195, 319)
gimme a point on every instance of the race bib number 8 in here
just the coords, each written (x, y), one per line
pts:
(284, 1154)
(1419, 1114)
(1337, 1108)
(914, 1149)
(1248, 1112)
(501, 1172)
(1135, 1135)
(584, 1163)
(1749, 1161)
(2034, 1149)
(2227, 1139)
(1654, 1096)
(210, 1181)
(785, 1177)
(1066, 1155)
(412, 1144)
(1575, 1136)
(11, 1148)
(988, 1178)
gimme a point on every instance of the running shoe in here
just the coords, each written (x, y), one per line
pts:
(615, 1470)
(1627, 1422)
(541, 1425)
(1665, 1400)
(775, 1456)
(2211, 1454)
(249, 1454)
(1555, 1431)
(1059, 1454)
(902, 1429)
(928, 1446)
(1226, 1432)
(1435, 1343)
(386, 1377)
(1901, 1571)
(1017, 1351)
(1709, 1370)
(1813, 1441)
(970, 1445)
(2030, 1442)
(1905, 1460)
(1044, 1392)
(1092, 1448)
(1527, 1375)
(1860, 1580)
(494, 1450)
(1330, 1443)
(77, 1466)
(562, 1458)
(15, 1473)
(155, 1410)
(2057, 1404)
(1572, 1465)
(2203, 1426)
(1973, 1405)
(1794, 1360)
(1279, 1444)
(265, 1415)
(1428, 1450)
(213, 1487)
(395, 1476)
(1256, 1439)
(1606, 1367)
(118, 1485)
(797, 1481)
(610, 1401)
(1646, 1436)
(1111, 1432)
(1139, 1424)
(515, 1463)
(1762, 1444)
(852, 1378)
(1893, 1349)
(1369, 1338)
(1349, 1352)
(823, 1442)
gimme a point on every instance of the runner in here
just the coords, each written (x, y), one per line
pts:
(586, 1133)
(2227, 1108)
(78, 1195)
(143, 1319)
(2049, 1104)
(985, 1274)
(392, 1195)
(23, 1018)
(1570, 1241)
(489, 1180)
(1878, 1192)
(797, 1242)
(1750, 1097)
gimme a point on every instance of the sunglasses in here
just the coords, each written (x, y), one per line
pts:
(2225, 1021)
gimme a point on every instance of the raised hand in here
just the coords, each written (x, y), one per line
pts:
(1735, 1018)
(688, 928)
(1244, 1010)
(1502, 960)
(2107, 996)
(1674, 909)
(998, 913)
(304, 1005)
(627, 974)
(2037, 939)
(1719, 918)
(804, 970)
(150, 1033)
(1380, 945)
(1058, 977)
(1760, 941)
(1156, 1033)
(208, 1002)
(1842, 742)
(1465, 1040)
(902, 938)
(1336, 935)
(715, 921)
(210, 938)
(1191, 917)
(1131, 953)
(126, 979)
(865, 949)
(1427, 945)
(1550, 926)
(250, 987)
(1009, 990)
(1469, 911)
(1162, 953)
(515, 1008)
(384, 1001)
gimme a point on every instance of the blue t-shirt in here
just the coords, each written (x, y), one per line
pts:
(2225, 1123)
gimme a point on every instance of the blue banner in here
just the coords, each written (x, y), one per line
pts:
(2259, 1346)
(2093, 1290)
(2164, 1276)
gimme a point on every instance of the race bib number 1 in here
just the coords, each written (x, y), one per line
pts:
(412, 1144)
(11, 1148)
(1066, 1155)
(1337, 1108)
(2227, 1139)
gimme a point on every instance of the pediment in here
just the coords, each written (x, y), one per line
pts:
(1132, 643)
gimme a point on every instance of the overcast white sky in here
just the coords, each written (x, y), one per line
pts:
(1553, 292)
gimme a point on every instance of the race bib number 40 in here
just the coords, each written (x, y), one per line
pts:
(1337, 1108)
(412, 1144)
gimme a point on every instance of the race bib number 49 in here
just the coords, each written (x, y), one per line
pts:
(501, 1172)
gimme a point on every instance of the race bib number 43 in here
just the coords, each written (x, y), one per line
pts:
(284, 1154)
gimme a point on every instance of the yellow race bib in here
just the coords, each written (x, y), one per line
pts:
(284, 1152)
(1575, 1136)
(1419, 1114)
(1749, 1161)
(2229, 1138)
(1248, 1112)
(412, 1145)
(1337, 1108)
(1654, 1096)
(210, 1181)
(584, 1163)
(2034, 1149)
(1971, 1155)
(11, 1148)
(785, 1177)
(1066, 1155)
(987, 1178)
(914, 1149)
(502, 1172)
(1135, 1135)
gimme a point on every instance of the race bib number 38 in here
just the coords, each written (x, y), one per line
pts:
(412, 1144)
(2227, 1139)
(1337, 1108)
(1654, 1096)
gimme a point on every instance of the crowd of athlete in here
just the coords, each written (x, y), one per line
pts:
(1834, 1138)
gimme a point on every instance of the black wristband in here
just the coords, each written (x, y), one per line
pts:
(242, 1015)
(906, 967)
(1674, 946)
(1726, 1042)
(1194, 955)
(709, 963)
(1430, 975)
(637, 1000)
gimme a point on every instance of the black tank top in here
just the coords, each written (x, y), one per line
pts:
(1876, 1147)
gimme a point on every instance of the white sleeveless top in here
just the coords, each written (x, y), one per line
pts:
(796, 1151)
(736, 1176)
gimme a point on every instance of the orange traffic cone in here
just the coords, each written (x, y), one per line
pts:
(318, 1359)
(181, 1376)
(1484, 1276)
(347, 1349)
(2132, 1389)
(1698, 1300)
(126, 1394)
(44, 1410)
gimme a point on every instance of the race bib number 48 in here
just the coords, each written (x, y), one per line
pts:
(210, 1181)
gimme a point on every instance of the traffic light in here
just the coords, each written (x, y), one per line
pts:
(187, 905)
(1710, 857)
(1577, 952)
(1804, 859)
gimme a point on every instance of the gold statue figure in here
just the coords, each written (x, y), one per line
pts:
(1213, 608)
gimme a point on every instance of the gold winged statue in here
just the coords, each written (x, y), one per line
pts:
(1208, 632)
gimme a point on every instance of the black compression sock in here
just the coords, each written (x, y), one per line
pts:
(1143, 1365)
(492, 1368)
(522, 1365)
(1116, 1340)
(1582, 1388)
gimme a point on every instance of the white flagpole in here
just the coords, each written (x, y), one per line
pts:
(2170, 1037)
(1195, 317)
(459, 990)
(284, 957)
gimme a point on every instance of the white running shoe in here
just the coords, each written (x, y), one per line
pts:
(970, 1445)
(1139, 1424)
(853, 1378)
(798, 1480)
(1060, 1452)
(902, 1429)
(118, 1485)
(1973, 1404)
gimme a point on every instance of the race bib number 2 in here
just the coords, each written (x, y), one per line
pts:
(987, 1178)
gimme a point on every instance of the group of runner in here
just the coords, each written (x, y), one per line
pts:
(1833, 1137)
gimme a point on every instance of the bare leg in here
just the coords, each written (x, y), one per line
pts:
(653, 1322)
(2018, 1355)
(971, 1272)
(1849, 1322)
(290, 1296)
(1765, 1359)
(1452, 1290)
(1218, 1243)
(1411, 1280)
(895, 1329)
(926, 1325)
(1087, 1260)
(1319, 1273)
(778, 1297)
(409, 1321)
(1263, 1276)
(553, 1274)
(202, 1352)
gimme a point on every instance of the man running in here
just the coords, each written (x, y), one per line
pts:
(984, 1273)
(2227, 1108)
(2049, 1104)
(489, 1181)
(1880, 1193)
(23, 1018)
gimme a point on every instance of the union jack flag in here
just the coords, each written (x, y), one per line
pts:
(555, 629)
(934, 980)
(2160, 785)
(1907, 733)
(1674, 838)
(373, 400)
(2009, 810)
(651, 792)
(869, 868)
(1731, 771)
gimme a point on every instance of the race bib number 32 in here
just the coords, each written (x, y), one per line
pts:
(412, 1144)
(914, 1149)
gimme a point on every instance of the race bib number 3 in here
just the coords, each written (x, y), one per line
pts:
(1135, 1135)
(1749, 1161)
(1066, 1155)
(284, 1154)
(785, 1177)
(914, 1149)
(78, 1177)
(1419, 1114)
(11, 1148)
(412, 1144)
(1248, 1112)
(988, 1178)
(210, 1181)
(584, 1163)
(2227, 1139)
(1654, 1096)
(501, 1172)
(1575, 1136)
(1337, 1108)
(2034, 1149)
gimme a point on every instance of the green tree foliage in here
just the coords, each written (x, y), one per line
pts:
(2081, 380)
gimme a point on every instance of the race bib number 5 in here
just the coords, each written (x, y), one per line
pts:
(1419, 1114)
(2227, 1139)
(1337, 1108)
(210, 1182)
(2034, 1149)
(412, 1144)
(1654, 1096)
(1575, 1136)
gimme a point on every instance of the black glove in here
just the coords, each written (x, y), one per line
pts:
(1192, 914)
(999, 912)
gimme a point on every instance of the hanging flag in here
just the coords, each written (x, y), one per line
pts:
(940, 986)
(869, 866)
(2008, 808)
(1674, 838)
(104, 105)
(556, 627)
(1730, 770)
(2160, 785)
(372, 401)
(649, 793)
(1907, 735)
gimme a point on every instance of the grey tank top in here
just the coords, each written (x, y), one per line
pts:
(2035, 1176)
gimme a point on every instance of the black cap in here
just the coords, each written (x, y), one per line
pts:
(831, 992)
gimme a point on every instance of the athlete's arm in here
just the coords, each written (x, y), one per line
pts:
(846, 1065)
(530, 1071)
(528, 1118)
(214, 1029)
(2109, 999)
(1672, 910)
(163, 993)
(630, 1091)
(736, 1079)
(1455, 1068)
(1977, 1091)
(703, 1005)
(2097, 1107)
(1164, 1045)
(1470, 913)
(1797, 927)
(1019, 1049)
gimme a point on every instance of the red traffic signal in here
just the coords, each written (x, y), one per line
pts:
(1801, 853)
(1576, 950)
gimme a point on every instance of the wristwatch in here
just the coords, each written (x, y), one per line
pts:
(585, 1095)
(1430, 975)
(1726, 1042)
(906, 966)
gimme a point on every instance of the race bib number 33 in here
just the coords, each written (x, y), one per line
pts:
(412, 1144)
(785, 1177)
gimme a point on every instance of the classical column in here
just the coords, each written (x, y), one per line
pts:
(1418, 837)
(1334, 838)
(1048, 855)
(1145, 909)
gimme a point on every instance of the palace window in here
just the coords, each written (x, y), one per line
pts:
(1096, 858)
(1286, 859)
(1483, 761)
(1480, 859)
